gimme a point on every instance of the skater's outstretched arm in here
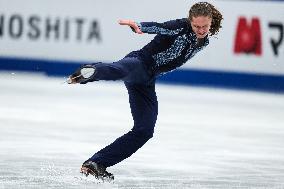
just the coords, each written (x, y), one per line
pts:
(172, 27)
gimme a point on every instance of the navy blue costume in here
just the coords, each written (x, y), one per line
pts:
(174, 44)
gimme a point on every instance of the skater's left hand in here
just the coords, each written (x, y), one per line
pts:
(131, 24)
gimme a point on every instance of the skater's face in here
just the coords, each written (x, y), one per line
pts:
(201, 25)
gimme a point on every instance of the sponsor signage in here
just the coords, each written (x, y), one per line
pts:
(248, 37)
(38, 28)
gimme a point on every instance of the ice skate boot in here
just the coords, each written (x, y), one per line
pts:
(99, 171)
(83, 75)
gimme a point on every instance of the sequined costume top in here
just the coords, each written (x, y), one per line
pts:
(174, 44)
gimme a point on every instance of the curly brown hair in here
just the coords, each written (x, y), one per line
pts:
(207, 9)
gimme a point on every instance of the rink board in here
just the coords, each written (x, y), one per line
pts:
(193, 77)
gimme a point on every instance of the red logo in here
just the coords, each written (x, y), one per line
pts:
(248, 37)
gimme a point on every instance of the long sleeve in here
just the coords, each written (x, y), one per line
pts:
(172, 27)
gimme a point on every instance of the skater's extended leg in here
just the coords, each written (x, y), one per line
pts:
(129, 67)
(144, 109)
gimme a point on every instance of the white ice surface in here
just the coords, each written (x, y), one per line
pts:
(204, 138)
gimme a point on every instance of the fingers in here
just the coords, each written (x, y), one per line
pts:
(131, 24)
(126, 22)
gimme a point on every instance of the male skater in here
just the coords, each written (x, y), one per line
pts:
(175, 43)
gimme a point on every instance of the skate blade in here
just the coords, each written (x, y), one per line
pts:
(69, 81)
(86, 171)
(72, 80)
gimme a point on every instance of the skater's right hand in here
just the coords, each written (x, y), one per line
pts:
(131, 24)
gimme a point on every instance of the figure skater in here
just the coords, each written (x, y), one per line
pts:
(176, 42)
